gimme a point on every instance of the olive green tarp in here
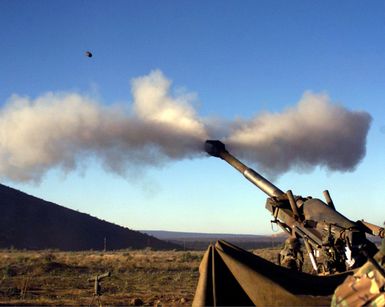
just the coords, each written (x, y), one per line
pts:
(232, 276)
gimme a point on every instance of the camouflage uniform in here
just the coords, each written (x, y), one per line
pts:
(335, 256)
(365, 287)
(291, 255)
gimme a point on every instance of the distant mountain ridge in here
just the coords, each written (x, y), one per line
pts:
(167, 235)
(28, 222)
(200, 241)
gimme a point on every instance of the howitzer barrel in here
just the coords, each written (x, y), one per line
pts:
(217, 149)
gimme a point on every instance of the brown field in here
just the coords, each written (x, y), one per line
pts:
(61, 278)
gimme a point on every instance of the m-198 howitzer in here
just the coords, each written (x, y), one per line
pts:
(332, 241)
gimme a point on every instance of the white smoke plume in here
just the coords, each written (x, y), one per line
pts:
(314, 132)
(61, 129)
(64, 129)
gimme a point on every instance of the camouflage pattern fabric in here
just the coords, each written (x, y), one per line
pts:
(291, 255)
(364, 288)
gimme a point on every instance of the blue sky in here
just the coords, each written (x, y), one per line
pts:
(239, 57)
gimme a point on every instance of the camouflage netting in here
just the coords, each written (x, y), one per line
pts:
(232, 276)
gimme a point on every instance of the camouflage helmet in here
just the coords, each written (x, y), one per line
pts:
(292, 242)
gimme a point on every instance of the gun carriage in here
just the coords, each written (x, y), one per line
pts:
(333, 243)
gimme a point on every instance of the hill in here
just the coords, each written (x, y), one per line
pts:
(200, 241)
(27, 222)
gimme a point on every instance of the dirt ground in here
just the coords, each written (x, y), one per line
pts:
(62, 278)
(146, 277)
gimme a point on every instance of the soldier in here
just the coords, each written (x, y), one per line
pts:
(334, 252)
(366, 286)
(291, 254)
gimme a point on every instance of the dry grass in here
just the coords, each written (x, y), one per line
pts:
(61, 278)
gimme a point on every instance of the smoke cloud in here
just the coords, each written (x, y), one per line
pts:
(62, 130)
(314, 132)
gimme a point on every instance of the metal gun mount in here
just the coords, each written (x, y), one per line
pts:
(332, 241)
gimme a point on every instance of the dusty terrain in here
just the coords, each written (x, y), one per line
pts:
(61, 278)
